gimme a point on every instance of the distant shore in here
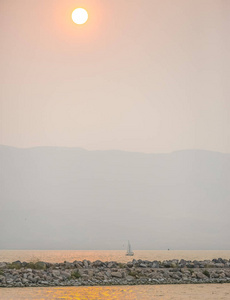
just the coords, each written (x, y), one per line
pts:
(98, 273)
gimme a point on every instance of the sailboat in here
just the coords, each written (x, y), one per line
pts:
(129, 250)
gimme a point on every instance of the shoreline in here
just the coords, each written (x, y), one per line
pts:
(99, 273)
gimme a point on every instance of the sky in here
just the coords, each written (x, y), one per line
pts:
(70, 198)
(148, 76)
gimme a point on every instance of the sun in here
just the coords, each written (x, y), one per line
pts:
(79, 16)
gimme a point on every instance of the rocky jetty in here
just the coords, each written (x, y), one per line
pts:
(98, 273)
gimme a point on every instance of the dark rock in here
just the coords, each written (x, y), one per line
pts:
(17, 264)
(143, 265)
(98, 263)
(130, 264)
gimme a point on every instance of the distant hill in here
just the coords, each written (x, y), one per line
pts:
(70, 198)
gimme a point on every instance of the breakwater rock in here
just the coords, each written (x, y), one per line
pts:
(98, 273)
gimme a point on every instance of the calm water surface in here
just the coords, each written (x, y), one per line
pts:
(163, 292)
(69, 255)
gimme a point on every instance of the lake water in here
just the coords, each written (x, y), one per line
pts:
(119, 256)
(159, 292)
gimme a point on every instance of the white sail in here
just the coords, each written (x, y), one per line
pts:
(129, 250)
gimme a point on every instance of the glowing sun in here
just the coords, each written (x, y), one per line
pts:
(79, 16)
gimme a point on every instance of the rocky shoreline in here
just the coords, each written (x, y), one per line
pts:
(98, 273)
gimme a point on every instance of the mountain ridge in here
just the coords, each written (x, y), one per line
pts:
(110, 150)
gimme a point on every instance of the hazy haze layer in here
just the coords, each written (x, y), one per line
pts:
(63, 198)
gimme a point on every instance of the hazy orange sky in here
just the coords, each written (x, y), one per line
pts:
(149, 76)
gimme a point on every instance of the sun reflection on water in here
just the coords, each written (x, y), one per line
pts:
(161, 292)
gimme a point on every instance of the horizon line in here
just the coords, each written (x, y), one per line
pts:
(114, 150)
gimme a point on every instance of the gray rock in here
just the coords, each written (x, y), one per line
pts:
(9, 281)
(36, 278)
(85, 263)
(219, 265)
(110, 265)
(98, 263)
(155, 280)
(100, 273)
(28, 270)
(200, 275)
(30, 278)
(130, 278)
(155, 264)
(222, 275)
(18, 284)
(56, 273)
(108, 273)
(116, 274)
(65, 273)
